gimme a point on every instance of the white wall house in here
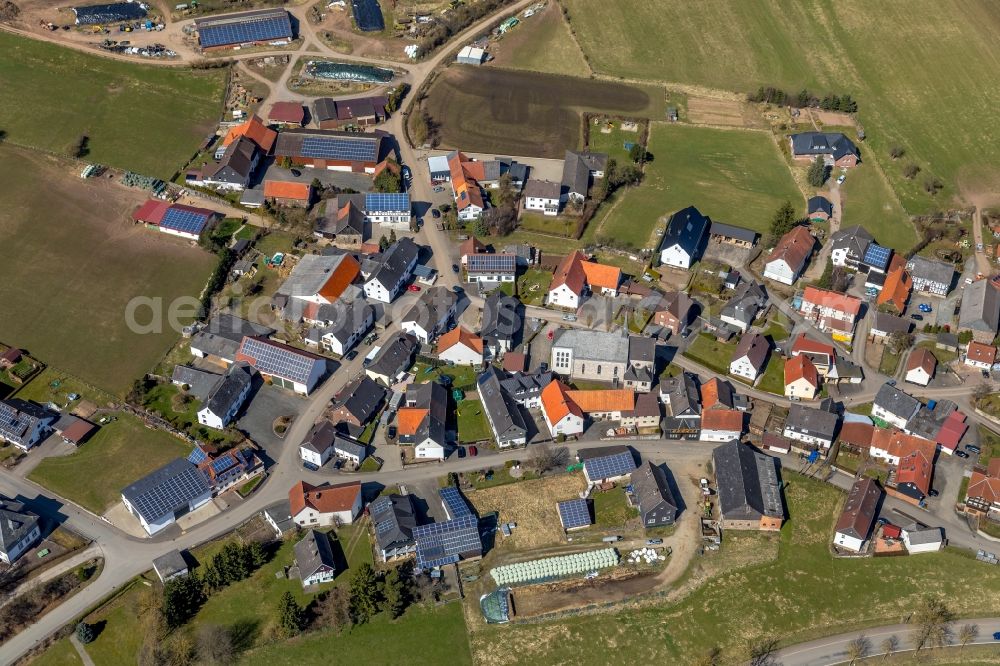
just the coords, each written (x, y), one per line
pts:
(341, 339)
(17, 522)
(801, 388)
(675, 255)
(742, 367)
(315, 455)
(918, 375)
(428, 449)
(848, 542)
(779, 271)
(461, 354)
(564, 297)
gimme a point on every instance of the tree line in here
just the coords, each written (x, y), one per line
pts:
(804, 99)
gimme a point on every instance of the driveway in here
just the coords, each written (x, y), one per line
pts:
(267, 404)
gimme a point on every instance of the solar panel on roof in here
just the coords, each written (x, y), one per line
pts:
(876, 255)
(492, 263)
(339, 148)
(439, 544)
(454, 503)
(387, 201)
(242, 32)
(223, 464)
(278, 361)
(197, 455)
(574, 513)
(184, 221)
(608, 467)
(169, 494)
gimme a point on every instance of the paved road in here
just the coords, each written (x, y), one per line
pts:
(834, 650)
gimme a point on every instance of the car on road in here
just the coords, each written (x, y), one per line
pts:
(457, 289)
(390, 432)
(996, 635)
(916, 317)
(454, 268)
(351, 355)
(979, 246)
(460, 451)
(435, 213)
(961, 454)
(296, 172)
(843, 177)
(569, 317)
(309, 466)
(413, 287)
(371, 338)
(654, 542)
(473, 451)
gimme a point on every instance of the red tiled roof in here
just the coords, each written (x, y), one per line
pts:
(896, 290)
(281, 189)
(457, 335)
(722, 419)
(151, 212)
(287, 112)
(471, 245)
(916, 468)
(710, 393)
(984, 486)
(346, 272)
(570, 273)
(794, 247)
(607, 400)
(514, 362)
(952, 431)
(800, 367)
(857, 434)
(832, 300)
(556, 402)
(981, 353)
(861, 508)
(324, 499)
(599, 275)
(921, 358)
(408, 419)
(255, 130)
(806, 345)
(77, 431)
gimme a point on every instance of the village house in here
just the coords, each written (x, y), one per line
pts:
(893, 406)
(501, 323)
(750, 356)
(543, 196)
(391, 270)
(431, 315)
(979, 355)
(801, 378)
(20, 529)
(235, 169)
(811, 426)
(684, 238)
(745, 306)
(343, 226)
(983, 494)
(394, 517)
(460, 347)
(576, 277)
(502, 412)
(896, 289)
(980, 311)
(652, 496)
(421, 421)
(314, 559)
(393, 359)
(526, 388)
(831, 311)
(358, 402)
(288, 193)
(317, 448)
(819, 209)
(789, 257)
(920, 366)
(883, 325)
(606, 464)
(563, 417)
(858, 517)
(316, 279)
(835, 148)
(360, 112)
(930, 276)
(674, 311)
(226, 397)
(343, 325)
(490, 268)
(721, 425)
(580, 169)
(24, 424)
(749, 488)
(325, 505)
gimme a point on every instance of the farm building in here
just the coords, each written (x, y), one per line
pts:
(362, 112)
(574, 514)
(287, 193)
(291, 114)
(281, 365)
(684, 238)
(332, 150)
(175, 219)
(858, 517)
(161, 497)
(607, 464)
(732, 235)
(749, 488)
(262, 26)
(788, 258)
(471, 55)
(835, 148)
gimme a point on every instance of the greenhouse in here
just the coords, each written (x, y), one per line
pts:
(551, 568)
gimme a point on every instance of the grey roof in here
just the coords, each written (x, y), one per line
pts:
(642, 374)
(169, 564)
(930, 270)
(819, 204)
(223, 334)
(347, 317)
(504, 415)
(349, 447)
(395, 356)
(542, 189)
(594, 345)
(608, 462)
(577, 168)
(678, 304)
(523, 386)
(652, 489)
(896, 402)
(855, 239)
(394, 517)
(927, 423)
(16, 522)
(313, 552)
(687, 228)
(924, 536)
(280, 360)
(19, 420)
(394, 262)
(434, 398)
(320, 438)
(491, 264)
(823, 143)
(641, 349)
(847, 368)
(947, 339)
(980, 309)
(281, 514)
(310, 275)
(236, 164)
(252, 197)
(732, 231)
(166, 489)
(748, 480)
(755, 347)
(361, 398)
(748, 300)
(353, 223)
(227, 391)
(813, 422)
(681, 393)
(433, 306)
(883, 321)
(501, 317)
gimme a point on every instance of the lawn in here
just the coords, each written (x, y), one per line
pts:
(737, 177)
(868, 200)
(773, 380)
(712, 354)
(889, 363)
(613, 142)
(542, 43)
(116, 455)
(879, 53)
(472, 423)
(989, 442)
(848, 461)
(62, 653)
(562, 225)
(148, 119)
(181, 411)
(942, 355)
(462, 376)
(611, 508)
(803, 594)
(67, 286)
(53, 385)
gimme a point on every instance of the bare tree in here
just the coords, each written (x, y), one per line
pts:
(859, 648)
(761, 652)
(215, 645)
(933, 620)
(546, 457)
(967, 634)
(889, 646)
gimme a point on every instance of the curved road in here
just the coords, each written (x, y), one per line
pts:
(835, 649)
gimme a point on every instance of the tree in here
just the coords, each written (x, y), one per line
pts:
(896, 151)
(258, 556)
(932, 621)
(761, 652)
(899, 341)
(397, 596)
(333, 609)
(392, 236)
(889, 646)
(290, 616)
(480, 227)
(965, 337)
(387, 181)
(637, 153)
(85, 633)
(910, 171)
(932, 185)
(182, 597)
(500, 221)
(383, 244)
(783, 221)
(545, 457)
(214, 645)
(365, 594)
(80, 147)
(967, 634)
(817, 173)
(285, 162)
(826, 279)
(506, 194)
(858, 648)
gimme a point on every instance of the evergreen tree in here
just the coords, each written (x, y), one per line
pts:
(396, 594)
(258, 557)
(817, 172)
(365, 594)
(783, 221)
(480, 227)
(85, 633)
(383, 244)
(291, 617)
(392, 236)
(182, 597)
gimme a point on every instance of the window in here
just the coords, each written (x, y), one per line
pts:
(583, 368)
(598, 369)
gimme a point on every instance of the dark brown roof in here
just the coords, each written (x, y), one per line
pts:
(859, 512)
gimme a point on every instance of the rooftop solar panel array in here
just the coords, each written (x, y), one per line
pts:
(387, 201)
(608, 467)
(167, 489)
(241, 32)
(361, 149)
(574, 513)
(275, 360)
(439, 544)
(492, 263)
(184, 221)
(877, 256)
(13, 424)
(368, 15)
(197, 455)
(454, 504)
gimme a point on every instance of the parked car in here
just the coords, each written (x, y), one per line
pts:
(924, 307)
(455, 268)
(351, 355)
(972, 448)
(413, 287)
(309, 466)
(460, 451)
(473, 451)
(961, 454)
(996, 635)
(390, 432)
(439, 188)
(654, 542)
(979, 246)
(569, 317)
(916, 317)
(296, 172)
(435, 213)
(843, 177)
(407, 175)
(593, 574)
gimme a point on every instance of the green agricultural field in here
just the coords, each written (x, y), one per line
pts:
(868, 201)
(907, 65)
(736, 177)
(542, 43)
(116, 455)
(148, 119)
(802, 594)
(72, 263)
